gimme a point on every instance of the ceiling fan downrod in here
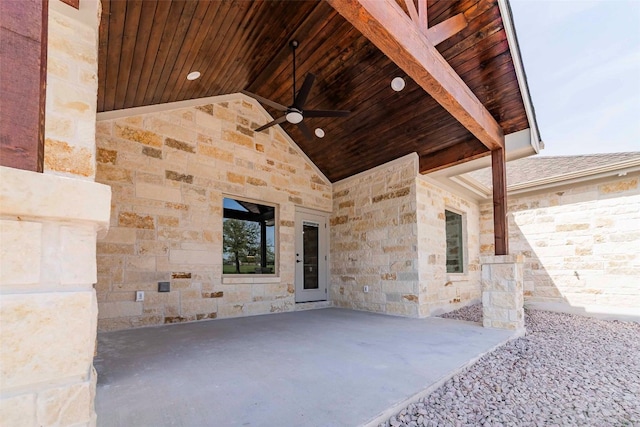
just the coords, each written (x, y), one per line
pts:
(294, 45)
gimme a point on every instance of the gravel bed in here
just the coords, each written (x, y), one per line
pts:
(566, 371)
(470, 313)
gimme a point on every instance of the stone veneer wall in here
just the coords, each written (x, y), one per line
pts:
(440, 291)
(388, 233)
(72, 90)
(48, 227)
(374, 240)
(581, 243)
(169, 172)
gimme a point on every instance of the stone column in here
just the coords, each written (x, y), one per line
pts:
(48, 309)
(502, 292)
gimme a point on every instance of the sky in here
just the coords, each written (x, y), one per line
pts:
(582, 61)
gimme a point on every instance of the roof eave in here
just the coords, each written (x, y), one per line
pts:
(514, 47)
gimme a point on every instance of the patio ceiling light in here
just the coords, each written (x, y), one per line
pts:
(193, 75)
(319, 133)
(294, 116)
(397, 84)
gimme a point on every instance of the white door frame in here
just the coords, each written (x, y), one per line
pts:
(322, 219)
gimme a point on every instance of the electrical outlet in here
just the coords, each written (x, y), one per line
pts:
(366, 289)
(139, 296)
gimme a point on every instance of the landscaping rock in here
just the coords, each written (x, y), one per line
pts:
(566, 371)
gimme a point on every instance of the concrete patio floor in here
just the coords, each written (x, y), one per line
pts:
(326, 367)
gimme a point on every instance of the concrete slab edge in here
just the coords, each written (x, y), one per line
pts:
(388, 413)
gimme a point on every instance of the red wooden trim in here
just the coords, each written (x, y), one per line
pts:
(72, 3)
(500, 226)
(23, 49)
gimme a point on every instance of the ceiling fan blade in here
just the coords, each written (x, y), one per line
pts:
(272, 123)
(302, 96)
(326, 113)
(265, 101)
(305, 130)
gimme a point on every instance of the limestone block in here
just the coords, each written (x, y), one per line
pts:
(158, 192)
(65, 406)
(33, 326)
(18, 411)
(34, 195)
(20, 252)
(177, 256)
(78, 265)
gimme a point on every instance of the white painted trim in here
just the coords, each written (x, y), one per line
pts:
(160, 108)
(376, 169)
(189, 103)
(465, 192)
(512, 40)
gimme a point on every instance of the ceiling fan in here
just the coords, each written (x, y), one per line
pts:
(296, 113)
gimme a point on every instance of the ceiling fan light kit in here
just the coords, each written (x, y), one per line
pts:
(295, 113)
(294, 117)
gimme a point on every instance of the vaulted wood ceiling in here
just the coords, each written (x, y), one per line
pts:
(147, 48)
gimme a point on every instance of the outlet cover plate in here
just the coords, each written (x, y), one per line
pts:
(164, 286)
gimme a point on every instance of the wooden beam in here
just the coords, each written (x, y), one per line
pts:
(388, 27)
(442, 31)
(453, 155)
(423, 21)
(500, 226)
(23, 77)
(413, 13)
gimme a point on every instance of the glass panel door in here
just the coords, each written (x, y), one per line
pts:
(310, 248)
(311, 256)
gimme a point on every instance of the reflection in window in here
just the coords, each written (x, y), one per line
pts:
(248, 233)
(455, 250)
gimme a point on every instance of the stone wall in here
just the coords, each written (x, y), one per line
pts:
(440, 291)
(48, 227)
(169, 172)
(374, 240)
(72, 90)
(581, 243)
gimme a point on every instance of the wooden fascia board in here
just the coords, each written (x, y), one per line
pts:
(451, 156)
(388, 27)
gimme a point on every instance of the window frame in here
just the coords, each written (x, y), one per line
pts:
(276, 239)
(463, 241)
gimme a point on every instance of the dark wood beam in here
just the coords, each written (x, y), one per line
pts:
(387, 26)
(453, 155)
(500, 226)
(442, 31)
(23, 77)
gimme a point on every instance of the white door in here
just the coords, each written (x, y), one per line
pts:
(311, 256)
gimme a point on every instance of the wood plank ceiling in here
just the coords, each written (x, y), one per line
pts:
(147, 47)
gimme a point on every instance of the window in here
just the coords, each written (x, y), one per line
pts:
(455, 248)
(248, 234)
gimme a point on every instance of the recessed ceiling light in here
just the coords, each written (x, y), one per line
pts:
(397, 84)
(193, 75)
(319, 133)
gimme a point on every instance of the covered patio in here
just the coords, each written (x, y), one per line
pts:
(324, 367)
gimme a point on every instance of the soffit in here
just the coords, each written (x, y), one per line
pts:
(148, 47)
